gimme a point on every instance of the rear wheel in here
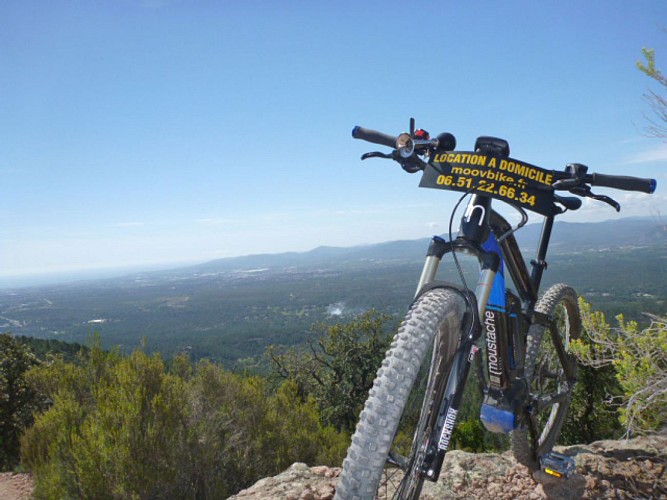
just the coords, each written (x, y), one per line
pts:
(384, 459)
(550, 370)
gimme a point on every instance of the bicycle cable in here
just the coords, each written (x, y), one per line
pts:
(524, 220)
(475, 313)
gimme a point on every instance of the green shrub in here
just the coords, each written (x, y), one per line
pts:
(639, 359)
(126, 427)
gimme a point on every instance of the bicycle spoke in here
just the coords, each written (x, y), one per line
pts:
(560, 347)
(389, 484)
(546, 373)
(545, 402)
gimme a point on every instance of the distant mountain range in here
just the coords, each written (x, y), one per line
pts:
(566, 237)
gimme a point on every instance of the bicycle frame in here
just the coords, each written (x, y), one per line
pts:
(487, 235)
(529, 373)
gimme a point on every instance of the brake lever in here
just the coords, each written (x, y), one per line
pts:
(566, 184)
(411, 164)
(586, 191)
(377, 154)
(607, 200)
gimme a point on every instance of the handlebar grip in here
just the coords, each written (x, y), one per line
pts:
(624, 182)
(366, 134)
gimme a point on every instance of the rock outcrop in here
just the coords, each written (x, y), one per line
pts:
(605, 469)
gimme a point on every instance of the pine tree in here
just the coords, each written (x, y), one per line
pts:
(18, 400)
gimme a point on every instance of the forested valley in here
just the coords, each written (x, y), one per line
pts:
(230, 311)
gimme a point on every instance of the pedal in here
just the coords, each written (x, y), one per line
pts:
(557, 464)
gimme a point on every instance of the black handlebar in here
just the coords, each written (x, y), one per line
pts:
(366, 134)
(624, 182)
(565, 180)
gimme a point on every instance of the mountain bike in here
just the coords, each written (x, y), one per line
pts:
(517, 342)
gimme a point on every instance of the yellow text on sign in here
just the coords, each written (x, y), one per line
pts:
(508, 166)
(508, 192)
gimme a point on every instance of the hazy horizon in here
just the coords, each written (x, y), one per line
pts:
(28, 279)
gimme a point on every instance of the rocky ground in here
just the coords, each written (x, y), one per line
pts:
(605, 469)
(15, 486)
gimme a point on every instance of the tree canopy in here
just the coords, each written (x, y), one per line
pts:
(18, 400)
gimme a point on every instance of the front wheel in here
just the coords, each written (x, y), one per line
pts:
(384, 459)
(550, 371)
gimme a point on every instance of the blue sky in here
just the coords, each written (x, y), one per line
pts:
(135, 133)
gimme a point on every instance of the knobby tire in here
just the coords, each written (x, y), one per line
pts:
(550, 371)
(424, 345)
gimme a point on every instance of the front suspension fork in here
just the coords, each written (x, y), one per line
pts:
(445, 419)
(488, 260)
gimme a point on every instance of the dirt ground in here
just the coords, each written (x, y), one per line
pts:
(15, 486)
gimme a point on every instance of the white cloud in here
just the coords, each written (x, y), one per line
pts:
(655, 154)
(632, 204)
